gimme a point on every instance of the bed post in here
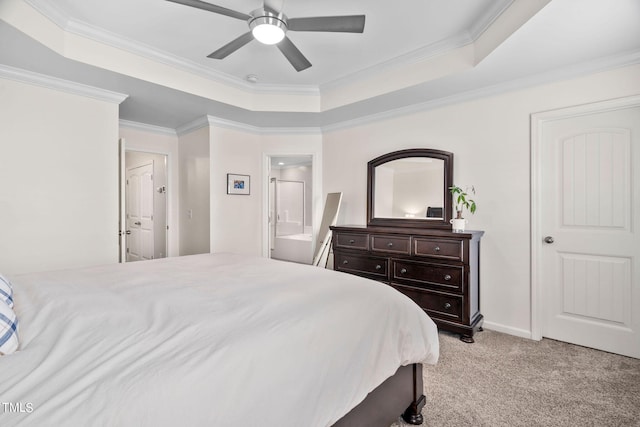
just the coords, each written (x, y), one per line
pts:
(413, 414)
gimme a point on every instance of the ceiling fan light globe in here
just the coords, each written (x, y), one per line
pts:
(268, 30)
(268, 34)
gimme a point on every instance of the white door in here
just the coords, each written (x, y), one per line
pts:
(589, 270)
(139, 214)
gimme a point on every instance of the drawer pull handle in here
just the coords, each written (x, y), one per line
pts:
(378, 267)
(390, 244)
(402, 271)
(352, 241)
(447, 277)
(437, 248)
(447, 306)
(345, 262)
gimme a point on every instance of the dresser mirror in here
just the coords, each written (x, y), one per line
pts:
(409, 188)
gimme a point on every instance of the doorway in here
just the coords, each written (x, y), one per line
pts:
(145, 207)
(585, 212)
(291, 208)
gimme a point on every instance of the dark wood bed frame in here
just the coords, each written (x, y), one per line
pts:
(400, 394)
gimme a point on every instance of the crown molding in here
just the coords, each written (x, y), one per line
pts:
(419, 55)
(425, 53)
(211, 121)
(199, 123)
(159, 130)
(49, 82)
(488, 18)
(283, 130)
(573, 71)
(230, 124)
(49, 10)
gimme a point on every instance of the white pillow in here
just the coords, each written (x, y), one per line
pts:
(8, 330)
(6, 291)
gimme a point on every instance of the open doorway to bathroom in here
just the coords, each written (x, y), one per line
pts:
(290, 208)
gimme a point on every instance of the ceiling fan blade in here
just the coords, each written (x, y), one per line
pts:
(273, 6)
(338, 24)
(213, 8)
(232, 46)
(295, 57)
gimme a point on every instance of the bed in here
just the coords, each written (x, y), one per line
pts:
(212, 340)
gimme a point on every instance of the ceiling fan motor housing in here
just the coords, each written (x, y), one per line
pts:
(267, 27)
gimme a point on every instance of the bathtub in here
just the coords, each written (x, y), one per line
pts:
(293, 247)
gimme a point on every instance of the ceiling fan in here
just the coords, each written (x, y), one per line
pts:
(269, 25)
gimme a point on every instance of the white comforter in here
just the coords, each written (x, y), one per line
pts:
(204, 340)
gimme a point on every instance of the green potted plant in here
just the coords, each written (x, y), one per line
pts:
(461, 201)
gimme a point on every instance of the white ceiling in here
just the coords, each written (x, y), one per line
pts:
(192, 34)
(564, 39)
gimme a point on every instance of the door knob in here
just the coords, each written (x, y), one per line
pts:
(548, 239)
(127, 232)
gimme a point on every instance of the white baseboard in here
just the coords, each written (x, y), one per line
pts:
(522, 333)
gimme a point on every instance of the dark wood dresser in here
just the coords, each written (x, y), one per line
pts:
(438, 269)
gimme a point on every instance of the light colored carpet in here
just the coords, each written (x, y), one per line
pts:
(502, 380)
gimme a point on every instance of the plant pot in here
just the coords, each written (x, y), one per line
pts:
(458, 225)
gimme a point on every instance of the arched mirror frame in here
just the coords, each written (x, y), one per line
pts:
(446, 156)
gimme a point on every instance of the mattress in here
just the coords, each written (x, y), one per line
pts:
(204, 340)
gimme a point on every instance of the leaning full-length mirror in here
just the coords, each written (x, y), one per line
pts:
(410, 188)
(329, 218)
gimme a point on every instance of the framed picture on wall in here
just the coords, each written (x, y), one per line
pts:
(238, 184)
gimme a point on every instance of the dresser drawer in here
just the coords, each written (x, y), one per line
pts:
(373, 267)
(438, 248)
(424, 274)
(390, 244)
(437, 304)
(354, 241)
